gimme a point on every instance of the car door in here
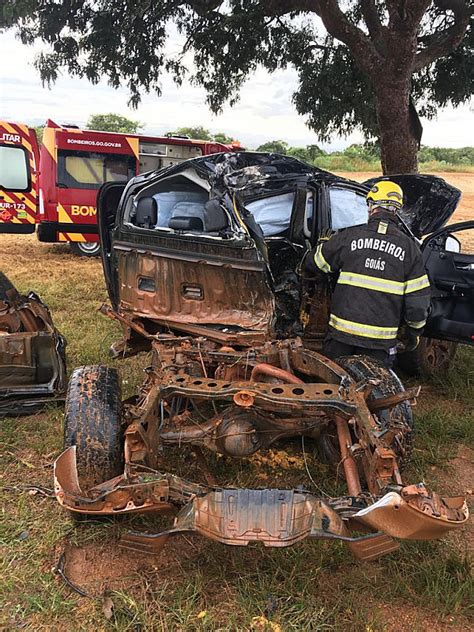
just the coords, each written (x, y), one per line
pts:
(108, 199)
(449, 259)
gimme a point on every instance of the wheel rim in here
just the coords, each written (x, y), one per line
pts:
(88, 246)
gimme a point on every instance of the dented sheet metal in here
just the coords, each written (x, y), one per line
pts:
(415, 514)
(273, 517)
(32, 353)
(253, 400)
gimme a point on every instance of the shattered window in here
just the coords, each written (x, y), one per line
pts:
(273, 214)
(348, 208)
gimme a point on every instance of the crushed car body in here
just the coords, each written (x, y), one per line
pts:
(32, 353)
(203, 268)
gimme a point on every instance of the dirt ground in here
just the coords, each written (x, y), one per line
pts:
(463, 181)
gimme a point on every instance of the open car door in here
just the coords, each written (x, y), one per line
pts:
(108, 199)
(449, 259)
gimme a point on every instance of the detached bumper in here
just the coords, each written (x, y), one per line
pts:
(274, 517)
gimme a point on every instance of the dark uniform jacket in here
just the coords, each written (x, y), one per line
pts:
(382, 282)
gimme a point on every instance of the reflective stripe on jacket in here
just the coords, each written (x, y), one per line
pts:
(382, 282)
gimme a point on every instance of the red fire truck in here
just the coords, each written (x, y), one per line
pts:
(74, 163)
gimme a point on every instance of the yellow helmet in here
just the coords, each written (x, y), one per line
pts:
(386, 194)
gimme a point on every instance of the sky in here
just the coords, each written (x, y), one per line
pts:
(264, 112)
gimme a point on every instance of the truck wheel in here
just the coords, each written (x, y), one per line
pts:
(400, 417)
(431, 357)
(5, 285)
(92, 422)
(85, 248)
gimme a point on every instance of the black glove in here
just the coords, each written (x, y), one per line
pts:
(325, 235)
(308, 268)
(308, 265)
(412, 337)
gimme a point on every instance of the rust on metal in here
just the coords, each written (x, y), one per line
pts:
(348, 462)
(234, 294)
(244, 399)
(183, 403)
(389, 401)
(32, 353)
(267, 370)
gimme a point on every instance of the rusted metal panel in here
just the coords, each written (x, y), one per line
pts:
(170, 288)
(420, 515)
(32, 354)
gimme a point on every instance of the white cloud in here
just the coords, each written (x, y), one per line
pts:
(264, 111)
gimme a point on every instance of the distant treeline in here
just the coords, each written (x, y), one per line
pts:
(366, 157)
(356, 157)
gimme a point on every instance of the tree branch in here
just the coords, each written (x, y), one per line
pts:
(334, 19)
(447, 40)
(340, 27)
(377, 30)
(371, 17)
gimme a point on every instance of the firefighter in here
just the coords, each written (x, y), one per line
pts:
(382, 283)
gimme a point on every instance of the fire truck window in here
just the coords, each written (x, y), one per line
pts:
(89, 170)
(13, 168)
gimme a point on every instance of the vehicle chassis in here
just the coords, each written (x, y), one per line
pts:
(256, 399)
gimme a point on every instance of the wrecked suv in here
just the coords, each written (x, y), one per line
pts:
(203, 268)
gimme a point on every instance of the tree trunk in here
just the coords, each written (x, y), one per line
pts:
(399, 146)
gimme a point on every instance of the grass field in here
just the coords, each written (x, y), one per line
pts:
(197, 584)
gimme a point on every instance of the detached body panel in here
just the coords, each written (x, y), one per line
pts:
(32, 353)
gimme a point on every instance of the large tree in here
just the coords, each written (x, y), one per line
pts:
(362, 64)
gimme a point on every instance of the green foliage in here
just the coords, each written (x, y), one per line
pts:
(202, 133)
(448, 155)
(275, 147)
(39, 134)
(308, 154)
(197, 133)
(127, 44)
(366, 156)
(113, 123)
(221, 137)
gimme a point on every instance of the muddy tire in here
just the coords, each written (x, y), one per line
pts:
(431, 357)
(85, 248)
(400, 417)
(5, 286)
(92, 422)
